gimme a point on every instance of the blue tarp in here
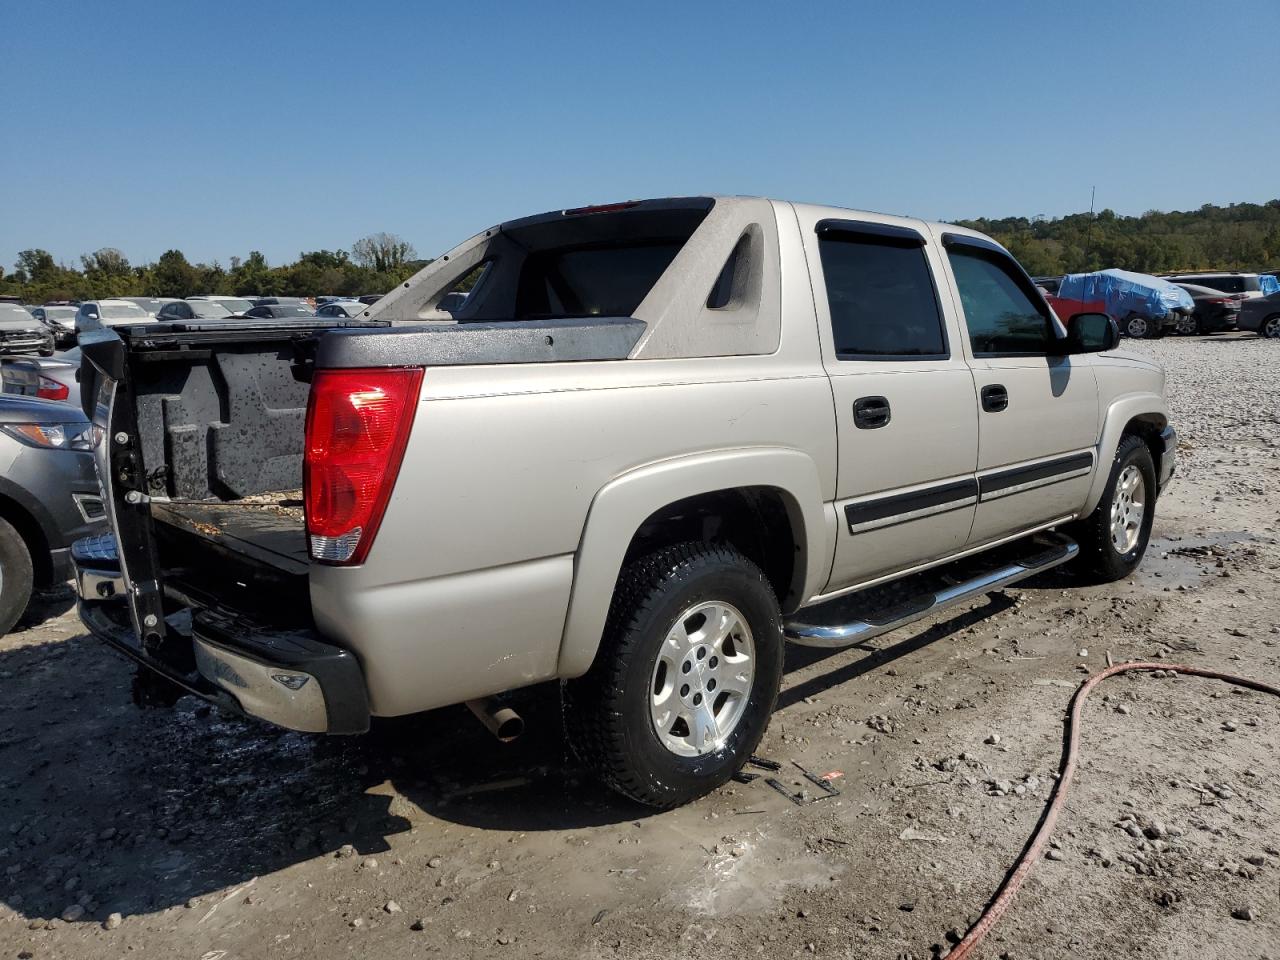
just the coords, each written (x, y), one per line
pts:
(1124, 293)
(1270, 284)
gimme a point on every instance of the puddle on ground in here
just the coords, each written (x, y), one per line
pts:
(1184, 562)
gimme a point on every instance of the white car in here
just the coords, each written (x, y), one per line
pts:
(110, 313)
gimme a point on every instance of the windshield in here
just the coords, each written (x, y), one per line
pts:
(122, 311)
(60, 313)
(292, 310)
(208, 310)
(9, 311)
(235, 304)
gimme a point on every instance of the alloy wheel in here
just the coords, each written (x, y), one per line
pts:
(702, 680)
(1128, 507)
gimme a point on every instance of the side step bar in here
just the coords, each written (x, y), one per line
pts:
(838, 623)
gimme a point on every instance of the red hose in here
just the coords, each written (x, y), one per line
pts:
(1031, 855)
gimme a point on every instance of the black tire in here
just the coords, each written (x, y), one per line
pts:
(1269, 328)
(1100, 561)
(16, 576)
(607, 710)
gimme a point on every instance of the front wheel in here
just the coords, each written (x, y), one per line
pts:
(16, 576)
(1114, 537)
(1270, 328)
(686, 678)
(1187, 326)
(1137, 327)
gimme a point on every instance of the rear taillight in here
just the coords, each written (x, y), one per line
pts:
(358, 423)
(50, 389)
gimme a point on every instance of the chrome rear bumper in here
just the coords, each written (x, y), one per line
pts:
(286, 676)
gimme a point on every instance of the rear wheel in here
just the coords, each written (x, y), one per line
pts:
(1270, 327)
(1114, 537)
(686, 677)
(16, 576)
(1187, 326)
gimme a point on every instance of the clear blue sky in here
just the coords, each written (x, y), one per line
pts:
(223, 127)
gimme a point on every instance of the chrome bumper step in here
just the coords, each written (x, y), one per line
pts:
(852, 619)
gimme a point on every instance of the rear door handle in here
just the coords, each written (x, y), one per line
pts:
(871, 412)
(995, 398)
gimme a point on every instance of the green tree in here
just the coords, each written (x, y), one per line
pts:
(382, 252)
(173, 276)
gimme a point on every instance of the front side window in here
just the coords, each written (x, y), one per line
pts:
(1001, 316)
(881, 296)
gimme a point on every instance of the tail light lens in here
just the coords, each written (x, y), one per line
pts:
(50, 389)
(358, 423)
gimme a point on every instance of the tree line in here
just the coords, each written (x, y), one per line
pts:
(374, 264)
(1240, 236)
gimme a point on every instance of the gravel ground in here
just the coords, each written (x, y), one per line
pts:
(185, 834)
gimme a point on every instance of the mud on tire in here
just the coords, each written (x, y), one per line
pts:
(608, 711)
(1100, 559)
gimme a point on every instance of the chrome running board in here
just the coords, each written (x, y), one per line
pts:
(848, 620)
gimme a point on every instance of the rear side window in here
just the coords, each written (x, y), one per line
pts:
(592, 281)
(881, 296)
(1001, 316)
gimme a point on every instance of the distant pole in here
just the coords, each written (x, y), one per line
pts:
(1088, 236)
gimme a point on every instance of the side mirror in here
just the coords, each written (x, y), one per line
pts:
(1091, 333)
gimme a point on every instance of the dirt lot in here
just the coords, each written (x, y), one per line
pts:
(215, 839)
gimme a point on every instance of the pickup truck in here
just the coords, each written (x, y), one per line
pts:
(655, 441)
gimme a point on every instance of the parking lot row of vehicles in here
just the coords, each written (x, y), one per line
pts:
(57, 323)
(1214, 302)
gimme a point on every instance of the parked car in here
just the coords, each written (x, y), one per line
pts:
(618, 480)
(1144, 306)
(1215, 311)
(341, 308)
(1246, 285)
(278, 311)
(370, 298)
(46, 378)
(60, 319)
(151, 305)
(1261, 316)
(20, 332)
(193, 310)
(110, 313)
(48, 497)
(236, 305)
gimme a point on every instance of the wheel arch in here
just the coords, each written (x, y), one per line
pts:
(1143, 415)
(767, 502)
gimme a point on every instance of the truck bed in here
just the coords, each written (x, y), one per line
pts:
(269, 528)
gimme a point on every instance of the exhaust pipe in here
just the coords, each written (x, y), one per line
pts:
(503, 722)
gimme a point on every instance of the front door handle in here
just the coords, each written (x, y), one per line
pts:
(871, 412)
(995, 398)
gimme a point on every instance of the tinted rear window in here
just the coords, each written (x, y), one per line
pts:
(596, 281)
(1228, 284)
(881, 297)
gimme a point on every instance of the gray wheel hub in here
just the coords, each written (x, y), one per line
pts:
(702, 679)
(1136, 327)
(1128, 507)
(1271, 328)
